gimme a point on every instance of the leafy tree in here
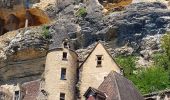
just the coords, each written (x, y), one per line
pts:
(161, 60)
(127, 63)
(151, 79)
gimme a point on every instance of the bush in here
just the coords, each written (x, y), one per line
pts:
(161, 60)
(151, 79)
(81, 12)
(46, 32)
(128, 63)
(154, 78)
(165, 43)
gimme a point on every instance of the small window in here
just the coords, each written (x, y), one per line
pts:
(64, 55)
(65, 44)
(63, 73)
(17, 97)
(62, 96)
(99, 60)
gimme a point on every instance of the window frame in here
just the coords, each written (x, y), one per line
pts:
(17, 95)
(65, 44)
(65, 56)
(63, 74)
(99, 61)
(62, 96)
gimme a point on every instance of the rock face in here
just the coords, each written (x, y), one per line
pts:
(128, 27)
(11, 3)
(137, 30)
(139, 21)
(21, 50)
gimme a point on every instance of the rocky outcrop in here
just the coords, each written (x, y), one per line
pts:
(13, 15)
(136, 30)
(22, 55)
(127, 27)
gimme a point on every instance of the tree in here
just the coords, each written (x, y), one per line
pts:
(151, 79)
(127, 63)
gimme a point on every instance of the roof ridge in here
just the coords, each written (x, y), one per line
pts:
(116, 85)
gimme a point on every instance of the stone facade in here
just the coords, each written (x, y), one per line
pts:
(93, 75)
(54, 84)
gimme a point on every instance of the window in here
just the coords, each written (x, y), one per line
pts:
(65, 44)
(64, 55)
(63, 73)
(99, 60)
(17, 95)
(62, 96)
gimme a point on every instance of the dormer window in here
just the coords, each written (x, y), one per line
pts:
(64, 56)
(99, 60)
(17, 95)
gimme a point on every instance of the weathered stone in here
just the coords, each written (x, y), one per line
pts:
(18, 58)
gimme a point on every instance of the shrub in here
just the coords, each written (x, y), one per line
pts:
(165, 43)
(81, 12)
(161, 60)
(128, 63)
(151, 79)
(46, 32)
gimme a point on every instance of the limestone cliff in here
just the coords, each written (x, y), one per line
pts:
(22, 54)
(137, 29)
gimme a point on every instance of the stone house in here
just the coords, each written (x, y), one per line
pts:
(67, 78)
(114, 87)
(26, 91)
(95, 67)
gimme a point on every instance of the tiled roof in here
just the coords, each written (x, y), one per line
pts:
(117, 87)
(31, 90)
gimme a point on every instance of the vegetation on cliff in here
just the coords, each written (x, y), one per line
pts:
(153, 78)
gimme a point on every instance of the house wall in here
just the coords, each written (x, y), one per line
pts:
(92, 76)
(53, 85)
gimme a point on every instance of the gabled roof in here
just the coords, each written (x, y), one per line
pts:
(94, 91)
(117, 87)
(94, 49)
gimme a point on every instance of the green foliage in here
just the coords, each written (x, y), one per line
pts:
(151, 79)
(154, 78)
(165, 43)
(81, 12)
(161, 60)
(127, 63)
(45, 33)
